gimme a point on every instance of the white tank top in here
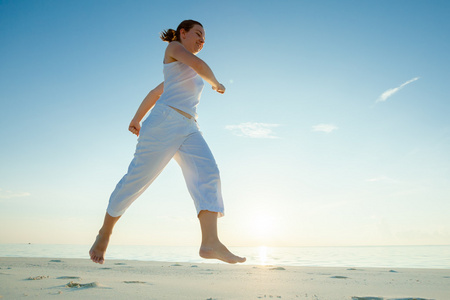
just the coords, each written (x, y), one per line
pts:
(182, 88)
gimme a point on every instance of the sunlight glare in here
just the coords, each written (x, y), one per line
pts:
(262, 255)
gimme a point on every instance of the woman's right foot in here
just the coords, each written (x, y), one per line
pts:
(98, 249)
(218, 251)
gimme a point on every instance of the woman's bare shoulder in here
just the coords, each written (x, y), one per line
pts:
(169, 53)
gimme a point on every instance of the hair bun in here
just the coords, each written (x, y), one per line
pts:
(168, 35)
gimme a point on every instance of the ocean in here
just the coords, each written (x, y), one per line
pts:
(428, 257)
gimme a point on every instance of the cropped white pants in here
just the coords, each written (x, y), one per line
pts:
(164, 135)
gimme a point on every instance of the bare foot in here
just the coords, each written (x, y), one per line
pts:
(219, 251)
(98, 250)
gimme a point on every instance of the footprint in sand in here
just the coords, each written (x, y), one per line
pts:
(105, 268)
(37, 277)
(408, 299)
(55, 260)
(76, 285)
(176, 265)
(69, 277)
(339, 277)
(120, 264)
(278, 268)
(134, 281)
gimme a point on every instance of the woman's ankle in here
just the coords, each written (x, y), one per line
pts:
(104, 232)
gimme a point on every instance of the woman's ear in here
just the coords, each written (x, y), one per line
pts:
(183, 33)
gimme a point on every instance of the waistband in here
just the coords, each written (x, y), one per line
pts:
(178, 111)
(181, 112)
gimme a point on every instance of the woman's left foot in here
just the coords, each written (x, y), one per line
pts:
(220, 252)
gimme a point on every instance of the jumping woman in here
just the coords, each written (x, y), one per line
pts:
(171, 131)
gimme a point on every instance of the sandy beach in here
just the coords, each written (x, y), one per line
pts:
(47, 278)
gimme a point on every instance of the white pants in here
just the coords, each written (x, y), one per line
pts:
(164, 135)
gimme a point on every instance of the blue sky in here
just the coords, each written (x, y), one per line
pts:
(334, 129)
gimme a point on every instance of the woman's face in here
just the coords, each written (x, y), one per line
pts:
(193, 39)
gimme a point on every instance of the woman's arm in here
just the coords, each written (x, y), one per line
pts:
(148, 102)
(177, 51)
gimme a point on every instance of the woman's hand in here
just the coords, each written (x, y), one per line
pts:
(134, 127)
(219, 88)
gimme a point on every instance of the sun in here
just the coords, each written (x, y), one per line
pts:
(262, 226)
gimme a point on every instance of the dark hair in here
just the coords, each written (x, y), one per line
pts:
(171, 35)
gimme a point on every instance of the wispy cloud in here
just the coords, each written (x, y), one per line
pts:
(254, 130)
(10, 194)
(324, 127)
(391, 92)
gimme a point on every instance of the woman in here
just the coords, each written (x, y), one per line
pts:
(171, 131)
